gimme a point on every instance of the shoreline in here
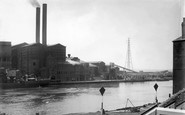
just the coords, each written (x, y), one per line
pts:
(103, 81)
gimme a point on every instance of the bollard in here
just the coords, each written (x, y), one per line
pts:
(169, 95)
(37, 113)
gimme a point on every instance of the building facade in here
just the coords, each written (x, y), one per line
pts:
(33, 58)
(5, 54)
(16, 55)
(57, 52)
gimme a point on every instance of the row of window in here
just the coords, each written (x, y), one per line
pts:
(4, 59)
(65, 72)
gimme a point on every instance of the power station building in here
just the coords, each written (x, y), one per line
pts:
(46, 61)
(38, 58)
(33, 57)
(16, 55)
(5, 54)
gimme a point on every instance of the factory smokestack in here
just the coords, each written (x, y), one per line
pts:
(44, 24)
(37, 24)
(179, 61)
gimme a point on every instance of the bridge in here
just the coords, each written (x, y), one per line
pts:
(124, 68)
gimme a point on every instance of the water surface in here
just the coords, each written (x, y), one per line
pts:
(80, 98)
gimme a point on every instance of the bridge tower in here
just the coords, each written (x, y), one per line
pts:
(128, 63)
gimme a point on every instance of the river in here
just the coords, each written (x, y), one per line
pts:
(58, 100)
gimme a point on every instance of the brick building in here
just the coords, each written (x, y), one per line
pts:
(33, 58)
(16, 55)
(70, 71)
(5, 54)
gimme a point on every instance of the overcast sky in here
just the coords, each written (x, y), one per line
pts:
(98, 30)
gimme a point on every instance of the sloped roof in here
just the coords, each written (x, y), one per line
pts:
(179, 39)
(58, 44)
(33, 44)
(166, 103)
(72, 62)
(21, 44)
(92, 65)
(172, 99)
(96, 62)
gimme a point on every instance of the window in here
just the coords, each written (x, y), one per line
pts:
(4, 59)
(34, 63)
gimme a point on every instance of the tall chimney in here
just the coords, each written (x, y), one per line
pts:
(179, 62)
(44, 24)
(183, 28)
(37, 24)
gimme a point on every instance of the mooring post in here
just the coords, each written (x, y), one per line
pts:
(102, 90)
(156, 87)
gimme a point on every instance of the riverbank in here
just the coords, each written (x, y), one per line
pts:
(107, 113)
(104, 81)
(137, 110)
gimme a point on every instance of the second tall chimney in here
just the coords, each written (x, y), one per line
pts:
(44, 24)
(37, 24)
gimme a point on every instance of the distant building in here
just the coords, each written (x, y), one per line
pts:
(33, 58)
(57, 52)
(70, 71)
(5, 54)
(37, 58)
(16, 55)
(101, 67)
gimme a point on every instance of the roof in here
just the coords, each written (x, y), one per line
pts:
(172, 99)
(92, 65)
(58, 44)
(5, 43)
(20, 45)
(96, 62)
(33, 44)
(72, 62)
(179, 39)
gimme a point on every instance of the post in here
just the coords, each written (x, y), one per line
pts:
(102, 90)
(156, 87)
(156, 98)
(102, 110)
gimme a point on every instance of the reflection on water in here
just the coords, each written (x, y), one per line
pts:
(79, 98)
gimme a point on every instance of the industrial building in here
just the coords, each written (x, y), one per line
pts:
(16, 55)
(33, 58)
(49, 61)
(57, 53)
(5, 54)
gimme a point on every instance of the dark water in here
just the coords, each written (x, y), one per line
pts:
(79, 98)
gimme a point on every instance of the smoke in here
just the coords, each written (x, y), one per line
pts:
(34, 3)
